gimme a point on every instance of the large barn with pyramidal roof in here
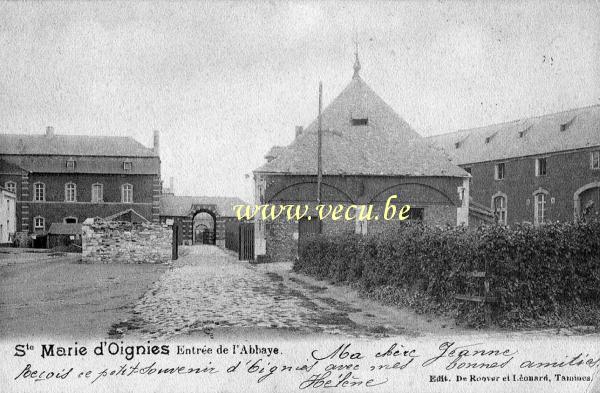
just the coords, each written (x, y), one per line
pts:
(369, 153)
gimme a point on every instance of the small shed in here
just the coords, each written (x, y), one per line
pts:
(64, 235)
(128, 215)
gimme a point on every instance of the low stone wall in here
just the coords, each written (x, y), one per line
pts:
(124, 242)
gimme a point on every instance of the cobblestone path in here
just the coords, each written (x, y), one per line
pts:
(209, 290)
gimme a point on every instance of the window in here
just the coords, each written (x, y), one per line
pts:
(416, 213)
(70, 220)
(39, 192)
(595, 159)
(524, 132)
(127, 165)
(97, 193)
(39, 223)
(565, 126)
(539, 212)
(500, 171)
(540, 167)
(127, 193)
(70, 192)
(70, 163)
(500, 209)
(360, 122)
(11, 186)
(361, 227)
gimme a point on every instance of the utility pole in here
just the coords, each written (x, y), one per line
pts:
(319, 147)
(319, 151)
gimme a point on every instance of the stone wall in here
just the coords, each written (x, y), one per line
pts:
(124, 242)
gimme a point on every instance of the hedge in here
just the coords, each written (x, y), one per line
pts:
(543, 276)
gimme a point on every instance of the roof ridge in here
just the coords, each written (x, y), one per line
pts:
(514, 121)
(87, 136)
(202, 196)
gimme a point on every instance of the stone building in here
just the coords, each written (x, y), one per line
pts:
(533, 170)
(68, 178)
(8, 215)
(369, 153)
(201, 219)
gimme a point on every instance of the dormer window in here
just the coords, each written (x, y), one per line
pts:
(489, 138)
(360, 122)
(70, 163)
(524, 132)
(565, 126)
(127, 165)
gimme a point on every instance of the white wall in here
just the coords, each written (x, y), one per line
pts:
(8, 215)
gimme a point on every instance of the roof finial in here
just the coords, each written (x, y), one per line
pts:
(356, 62)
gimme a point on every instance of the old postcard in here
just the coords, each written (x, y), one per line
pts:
(300, 196)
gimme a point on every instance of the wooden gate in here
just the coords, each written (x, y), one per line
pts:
(246, 241)
(175, 242)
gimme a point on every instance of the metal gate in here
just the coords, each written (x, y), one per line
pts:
(246, 241)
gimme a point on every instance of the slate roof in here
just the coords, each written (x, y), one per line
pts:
(128, 215)
(386, 146)
(523, 137)
(8, 168)
(274, 152)
(59, 228)
(75, 145)
(178, 206)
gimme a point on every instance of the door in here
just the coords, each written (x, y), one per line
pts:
(308, 227)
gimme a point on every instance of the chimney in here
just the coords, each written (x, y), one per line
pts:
(49, 131)
(171, 185)
(156, 145)
(299, 130)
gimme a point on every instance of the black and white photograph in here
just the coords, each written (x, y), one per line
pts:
(300, 195)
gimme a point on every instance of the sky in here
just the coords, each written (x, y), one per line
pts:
(225, 81)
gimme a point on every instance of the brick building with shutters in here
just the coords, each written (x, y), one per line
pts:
(369, 153)
(68, 178)
(534, 170)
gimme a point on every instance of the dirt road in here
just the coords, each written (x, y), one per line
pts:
(209, 292)
(52, 298)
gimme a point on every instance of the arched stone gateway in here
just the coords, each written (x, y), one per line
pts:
(204, 227)
(183, 210)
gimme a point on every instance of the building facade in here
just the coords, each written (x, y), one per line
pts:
(534, 170)
(68, 178)
(8, 215)
(369, 154)
(201, 219)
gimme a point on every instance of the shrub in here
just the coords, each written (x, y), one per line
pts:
(541, 275)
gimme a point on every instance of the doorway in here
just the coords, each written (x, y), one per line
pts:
(203, 230)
